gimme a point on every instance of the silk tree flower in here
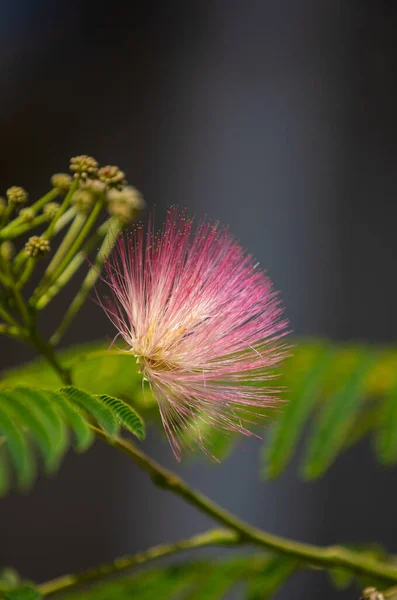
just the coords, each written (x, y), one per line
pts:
(203, 322)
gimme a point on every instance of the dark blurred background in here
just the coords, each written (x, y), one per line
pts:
(277, 117)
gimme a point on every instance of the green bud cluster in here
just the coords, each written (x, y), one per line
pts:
(84, 166)
(62, 181)
(112, 177)
(125, 204)
(17, 195)
(37, 246)
(50, 210)
(27, 214)
(83, 201)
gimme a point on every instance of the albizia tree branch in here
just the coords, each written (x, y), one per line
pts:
(237, 532)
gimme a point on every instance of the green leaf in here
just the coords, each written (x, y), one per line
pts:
(43, 417)
(153, 584)
(24, 592)
(332, 426)
(73, 416)
(217, 581)
(271, 578)
(28, 416)
(4, 471)
(341, 578)
(305, 383)
(386, 439)
(104, 416)
(125, 414)
(17, 445)
(38, 414)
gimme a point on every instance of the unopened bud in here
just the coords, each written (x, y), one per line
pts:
(112, 177)
(37, 246)
(3, 205)
(62, 181)
(84, 166)
(371, 593)
(83, 201)
(17, 195)
(125, 204)
(94, 186)
(50, 210)
(7, 250)
(27, 214)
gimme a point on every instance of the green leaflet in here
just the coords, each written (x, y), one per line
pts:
(55, 442)
(386, 439)
(102, 413)
(315, 380)
(27, 415)
(17, 446)
(259, 575)
(94, 369)
(217, 581)
(272, 577)
(125, 414)
(74, 418)
(154, 584)
(24, 592)
(43, 417)
(331, 427)
(305, 383)
(4, 471)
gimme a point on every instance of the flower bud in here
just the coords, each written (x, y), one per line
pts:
(37, 246)
(62, 181)
(112, 177)
(125, 203)
(50, 210)
(27, 214)
(371, 593)
(7, 250)
(94, 186)
(84, 166)
(83, 201)
(3, 205)
(17, 195)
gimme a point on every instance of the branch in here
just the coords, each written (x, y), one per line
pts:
(325, 557)
(218, 537)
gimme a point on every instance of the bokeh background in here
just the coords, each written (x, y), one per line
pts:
(277, 117)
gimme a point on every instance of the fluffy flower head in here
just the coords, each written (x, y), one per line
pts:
(203, 323)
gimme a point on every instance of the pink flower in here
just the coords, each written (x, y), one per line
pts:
(204, 323)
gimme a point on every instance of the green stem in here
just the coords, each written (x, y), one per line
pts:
(390, 593)
(88, 283)
(21, 257)
(64, 219)
(21, 306)
(27, 272)
(210, 538)
(49, 233)
(6, 215)
(8, 318)
(73, 248)
(36, 206)
(326, 557)
(316, 556)
(11, 331)
(12, 231)
(47, 351)
(71, 269)
(64, 246)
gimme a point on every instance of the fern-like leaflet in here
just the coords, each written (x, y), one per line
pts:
(42, 418)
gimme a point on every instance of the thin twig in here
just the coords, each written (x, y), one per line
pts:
(218, 537)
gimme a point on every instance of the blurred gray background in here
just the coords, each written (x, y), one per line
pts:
(278, 118)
